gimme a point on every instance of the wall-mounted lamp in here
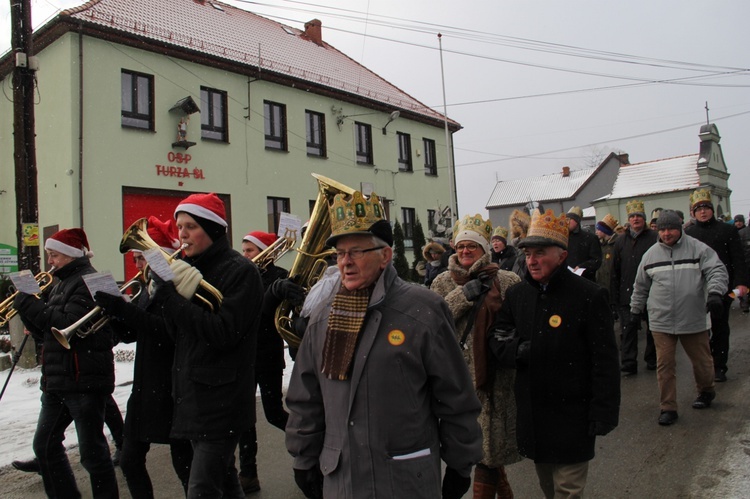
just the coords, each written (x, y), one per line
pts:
(393, 116)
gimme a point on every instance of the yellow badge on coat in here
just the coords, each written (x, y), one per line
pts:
(607, 256)
(555, 321)
(396, 337)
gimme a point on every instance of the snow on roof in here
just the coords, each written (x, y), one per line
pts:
(653, 177)
(226, 32)
(543, 188)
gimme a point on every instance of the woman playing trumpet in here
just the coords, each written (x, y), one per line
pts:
(75, 383)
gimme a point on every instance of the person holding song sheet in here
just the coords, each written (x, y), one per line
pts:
(214, 363)
(76, 382)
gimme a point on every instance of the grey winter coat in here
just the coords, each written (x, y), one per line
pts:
(409, 391)
(672, 284)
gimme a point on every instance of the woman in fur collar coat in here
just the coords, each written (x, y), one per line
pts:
(474, 289)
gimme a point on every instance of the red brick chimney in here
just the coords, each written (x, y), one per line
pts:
(314, 31)
(566, 171)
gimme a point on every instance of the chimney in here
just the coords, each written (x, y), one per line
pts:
(314, 31)
(624, 158)
(566, 171)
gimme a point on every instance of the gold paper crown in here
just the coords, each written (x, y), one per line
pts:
(655, 213)
(546, 229)
(500, 231)
(635, 206)
(700, 196)
(576, 210)
(475, 224)
(609, 221)
(354, 214)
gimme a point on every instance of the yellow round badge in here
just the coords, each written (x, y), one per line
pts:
(555, 321)
(396, 337)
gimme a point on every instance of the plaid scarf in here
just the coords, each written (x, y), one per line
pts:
(344, 323)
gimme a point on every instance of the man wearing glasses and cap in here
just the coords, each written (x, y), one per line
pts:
(380, 392)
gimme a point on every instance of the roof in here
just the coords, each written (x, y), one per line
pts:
(223, 32)
(550, 187)
(654, 177)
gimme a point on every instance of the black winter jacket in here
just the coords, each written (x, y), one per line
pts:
(584, 251)
(270, 352)
(88, 367)
(724, 239)
(213, 376)
(626, 257)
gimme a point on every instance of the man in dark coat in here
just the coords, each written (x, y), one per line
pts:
(584, 251)
(626, 256)
(724, 239)
(556, 330)
(744, 232)
(214, 365)
(78, 379)
(502, 254)
(148, 419)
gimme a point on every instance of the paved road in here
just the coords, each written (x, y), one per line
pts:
(706, 454)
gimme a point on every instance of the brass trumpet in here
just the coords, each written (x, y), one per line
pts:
(276, 250)
(92, 322)
(7, 312)
(137, 238)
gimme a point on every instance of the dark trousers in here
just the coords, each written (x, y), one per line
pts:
(720, 337)
(133, 465)
(629, 343)
(113, 420)
(270, 382)
(212, 472)
(86, 410)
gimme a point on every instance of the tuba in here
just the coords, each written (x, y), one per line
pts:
(137, 238)
(310, 264)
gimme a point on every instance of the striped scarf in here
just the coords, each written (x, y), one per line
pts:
(348, 312)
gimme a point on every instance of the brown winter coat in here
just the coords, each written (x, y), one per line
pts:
(498, 416)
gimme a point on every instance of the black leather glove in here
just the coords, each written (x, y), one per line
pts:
(498, 338)
(113, 306)
(455, 485)
(286, 289)
(715, 304)
(475, 288)
(310, 482)
(599, 428)
(23, 300)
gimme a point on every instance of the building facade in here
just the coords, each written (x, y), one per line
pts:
(143, 103)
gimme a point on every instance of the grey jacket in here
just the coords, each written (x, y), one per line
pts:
(407, 393)
(672, 283)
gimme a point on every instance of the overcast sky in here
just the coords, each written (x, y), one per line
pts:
(538, 85)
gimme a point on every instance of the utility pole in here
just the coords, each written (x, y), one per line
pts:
(24, 145)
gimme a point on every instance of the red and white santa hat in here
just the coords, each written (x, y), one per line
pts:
(208, 206)
(261, 239)
(162, 233)
(69, 242)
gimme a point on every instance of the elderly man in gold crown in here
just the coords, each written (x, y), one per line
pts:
(380, 392)
(474, 288)
(626, 256)
(555, 329)
(724, 239)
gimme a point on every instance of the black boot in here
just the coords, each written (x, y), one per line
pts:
(30, 466)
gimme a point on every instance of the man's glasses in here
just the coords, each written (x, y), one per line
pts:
(355, 254)
(467, 247)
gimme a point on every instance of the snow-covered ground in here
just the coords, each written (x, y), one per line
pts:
(19, 407)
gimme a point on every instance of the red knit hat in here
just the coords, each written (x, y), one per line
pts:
(261, 239)
(163, 233)
(208, 206)
(70, 242)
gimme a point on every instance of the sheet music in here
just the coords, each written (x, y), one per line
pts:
(102, 281)
(159, 264)
(289, 226)
(24, 282)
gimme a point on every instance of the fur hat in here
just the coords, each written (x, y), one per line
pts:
(261, 239)
(519, 223)
(475, 229)
(669, 220)
(432, 247)
(69, 242)
(547, 230)
(208, 206)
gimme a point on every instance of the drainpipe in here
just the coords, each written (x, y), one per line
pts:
(80, 124)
